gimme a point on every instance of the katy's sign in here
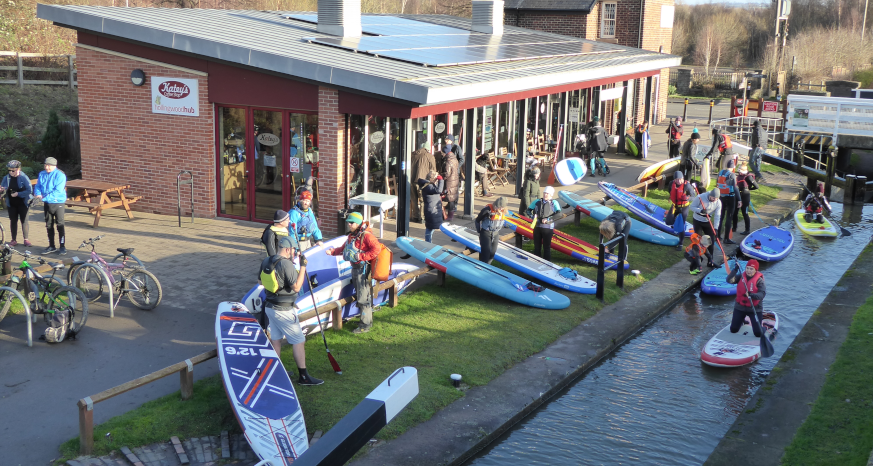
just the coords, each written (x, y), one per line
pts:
(175, 96)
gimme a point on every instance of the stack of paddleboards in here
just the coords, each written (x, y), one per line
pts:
(770, 243)
(648, 212)
(715, 282)
(599, 212)
(481, 275)
(524, 262)
(728, 349)
(814, 228)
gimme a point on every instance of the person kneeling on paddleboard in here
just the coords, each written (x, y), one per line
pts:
(680, 196)
(813, 204)
(488, 225)
(616, 222)
(543, 223)
(707, 213)
(696, 250)
(302, 219)
(281, 283)
(361, 247)
(750, 295)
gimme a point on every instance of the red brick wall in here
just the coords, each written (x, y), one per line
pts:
(568, 24)
(331, 182)
(122, 141)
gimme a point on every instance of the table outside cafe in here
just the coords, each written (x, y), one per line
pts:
(384, 202)
(98, 196)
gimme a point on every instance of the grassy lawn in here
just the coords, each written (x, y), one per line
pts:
(438, 330)
(839, 430)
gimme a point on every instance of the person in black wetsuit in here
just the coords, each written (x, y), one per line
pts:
(488, 225)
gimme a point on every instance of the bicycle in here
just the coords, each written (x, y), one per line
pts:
(140, 286)
(45, 295)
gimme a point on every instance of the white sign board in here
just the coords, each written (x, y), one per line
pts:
(574, 115)
(377, 137)
(667, 12)
(294, 165)
(268, 139)
(175, 96)
(611, 94)
(830, 115)
(439, 128)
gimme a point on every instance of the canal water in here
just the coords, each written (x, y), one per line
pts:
(652, 401)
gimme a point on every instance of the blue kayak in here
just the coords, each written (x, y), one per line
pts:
(481, 275)
(770, 243)
(599, 212)
(715, 282)
(650, 213)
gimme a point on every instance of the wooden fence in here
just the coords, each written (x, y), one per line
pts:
(70, 70)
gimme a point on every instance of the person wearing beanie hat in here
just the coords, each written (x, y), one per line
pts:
(16, 188)
(545, 211)
(279, 306)
(751, 291)
(674, 143)
(488, 224)
(688, 161)
(302, 222)
(814, 204)
(706, 211)
(272, 233)
(360, 248)
(530, 190)
(746, 183)
(698, 249)
(615, 223)
(51, 188)
(431, 188)
(680, 198)
(726, 183)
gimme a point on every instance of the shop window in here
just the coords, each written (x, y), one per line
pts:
(377, 154)
(607, 20)
(233, 185)
(504, 128)
(356, 150)
(440, 130)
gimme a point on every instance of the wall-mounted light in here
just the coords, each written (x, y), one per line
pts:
(137, 77)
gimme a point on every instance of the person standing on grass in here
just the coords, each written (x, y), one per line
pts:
(543, 223)
(616, 222)
(706, 210)
(279, 304)
(17, 189)
(431, 188)
(530, 190)
(302, 219)
(751, 291)
(727, 188)
(51, 188)
(361, 247)
(745, 185)
(488, 225)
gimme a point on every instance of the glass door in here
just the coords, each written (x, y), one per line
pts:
(267, 165)
(233, 193)
(302, 150)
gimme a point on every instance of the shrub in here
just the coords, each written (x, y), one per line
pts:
(671, 89)
(865, 77)
(53, 139)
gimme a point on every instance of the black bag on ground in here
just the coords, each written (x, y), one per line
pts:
(59, 326)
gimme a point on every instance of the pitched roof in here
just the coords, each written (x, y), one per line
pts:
(582, 6)
(269, 41)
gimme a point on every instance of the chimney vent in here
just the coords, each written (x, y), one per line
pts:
(339, 17)
(488, 16)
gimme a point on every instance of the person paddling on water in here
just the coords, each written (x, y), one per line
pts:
(488, 225)
(707, 212)
(814, 204)
(750, 295)
(616, 222)
(543, 223)
(360, 248)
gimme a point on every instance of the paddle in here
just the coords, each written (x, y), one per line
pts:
(843, 231)
(333, 363)
(766, 347)
(717, 240)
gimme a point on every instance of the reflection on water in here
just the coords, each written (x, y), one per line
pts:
(653, 401)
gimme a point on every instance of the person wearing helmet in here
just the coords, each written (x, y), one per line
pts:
(302, 221)
(530, 190)
(751, 290)
(16, 190)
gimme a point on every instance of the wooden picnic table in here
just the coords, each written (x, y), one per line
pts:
(100, 195)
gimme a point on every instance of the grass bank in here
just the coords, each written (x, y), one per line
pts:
(439, 330)
(839, 430)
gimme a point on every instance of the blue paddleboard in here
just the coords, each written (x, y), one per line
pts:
(715, 282)
(770, 243)
(481, 275)
(599, 212)
(650, 213)
(570, 171)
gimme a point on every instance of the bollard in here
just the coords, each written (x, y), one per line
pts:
(860, 190)
(849, 190)
(711, 104)
(685, 111)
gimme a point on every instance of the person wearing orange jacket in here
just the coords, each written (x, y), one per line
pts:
(697, 250)
(360, 248)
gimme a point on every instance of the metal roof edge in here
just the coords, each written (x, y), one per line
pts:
(142, 60)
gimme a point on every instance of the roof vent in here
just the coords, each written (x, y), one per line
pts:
(339, 17)
(488, 16)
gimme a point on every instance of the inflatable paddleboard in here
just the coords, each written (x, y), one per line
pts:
(814, 228)
(661, 168)
(570, 171)
(562, 242)
(525, 262)
(599, 212)
(630, 145)
(728, 349)
(715, 283)
(770, 243)
(650, 213)
(258, 388)
(322, 267)
(481, 275)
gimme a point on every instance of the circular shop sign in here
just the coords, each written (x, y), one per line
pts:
(377, 137)
(268, 139)
(439, 128)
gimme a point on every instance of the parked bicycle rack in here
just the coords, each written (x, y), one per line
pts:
(179, 183)
(105, 278)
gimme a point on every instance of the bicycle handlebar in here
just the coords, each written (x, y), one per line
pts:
(90, 241)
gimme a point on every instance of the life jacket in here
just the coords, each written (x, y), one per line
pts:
(753, 288)
(743, 183)
(495, 219)
(678, 196)
(722, 183)
(304, 227)
(725, 144)
(544, 209)
(813, 206)
(350, 247)
(278, 232)
(675, 132)
(695, 244)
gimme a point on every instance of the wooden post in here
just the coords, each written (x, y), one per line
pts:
(860, 190)
(645, 189)
(86, 429)
(337, 318)
(20, 71)
(577, 219)
(518, 240)
(661, 182)
(849, 190)
(70, 69)
(393, 299)
(186, 382)
(441, 278)
(831, 168)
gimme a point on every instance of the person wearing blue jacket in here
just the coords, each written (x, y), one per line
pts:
(16, 188)
(51, 188)
(302, 220)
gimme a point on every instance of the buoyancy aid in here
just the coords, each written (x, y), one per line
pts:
(725, 144)
(752, 289)
(495, 219)
(351, 251)
(678, 194)
(278, 232)
(695, 246)
(743, 182)
(722, 182)
(544, 209)
(813, 205)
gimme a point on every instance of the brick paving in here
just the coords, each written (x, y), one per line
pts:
(205, 451)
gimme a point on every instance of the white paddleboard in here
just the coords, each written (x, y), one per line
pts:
(728, 349)
(570, 171)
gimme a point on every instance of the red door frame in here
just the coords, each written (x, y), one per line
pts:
(286, 182)
(218, 155)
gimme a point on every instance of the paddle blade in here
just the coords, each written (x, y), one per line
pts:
(336, 367)
(766, 347)
(845, 232)
(552, 176)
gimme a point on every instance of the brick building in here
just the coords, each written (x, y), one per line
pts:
(253, 102)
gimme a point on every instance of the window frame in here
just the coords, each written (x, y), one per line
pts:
(604, 19)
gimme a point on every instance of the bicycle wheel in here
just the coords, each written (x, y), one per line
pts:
(115, 260)
(6, 300)
(68, 297)
(89, 280)
(143, 289)
(2, 238)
